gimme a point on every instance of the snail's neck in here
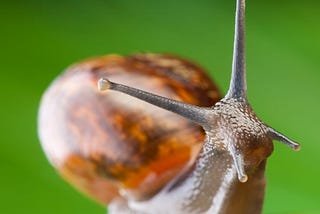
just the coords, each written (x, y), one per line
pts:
(210, 186)
(247, 198)
(213, 185)
(211, 180)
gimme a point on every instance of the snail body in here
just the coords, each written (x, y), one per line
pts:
(136, 157)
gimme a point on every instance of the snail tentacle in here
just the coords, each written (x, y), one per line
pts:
(238, 162)
(238, 85)
(275, 135)
(194, 113)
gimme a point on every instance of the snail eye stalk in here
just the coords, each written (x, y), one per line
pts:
(194, 113)
(238, 85)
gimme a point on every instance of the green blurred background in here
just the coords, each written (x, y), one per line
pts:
(39, 38)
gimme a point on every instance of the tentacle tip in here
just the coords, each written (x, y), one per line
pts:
(104, 84)
(296, 147)
(293, 145)
(243, 178)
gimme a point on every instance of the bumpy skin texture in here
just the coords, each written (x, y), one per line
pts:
(109, 143)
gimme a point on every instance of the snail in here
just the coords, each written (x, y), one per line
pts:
(206, 154)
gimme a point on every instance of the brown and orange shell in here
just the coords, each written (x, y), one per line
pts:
(112, 145)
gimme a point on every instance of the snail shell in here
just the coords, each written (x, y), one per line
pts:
(111, 145)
